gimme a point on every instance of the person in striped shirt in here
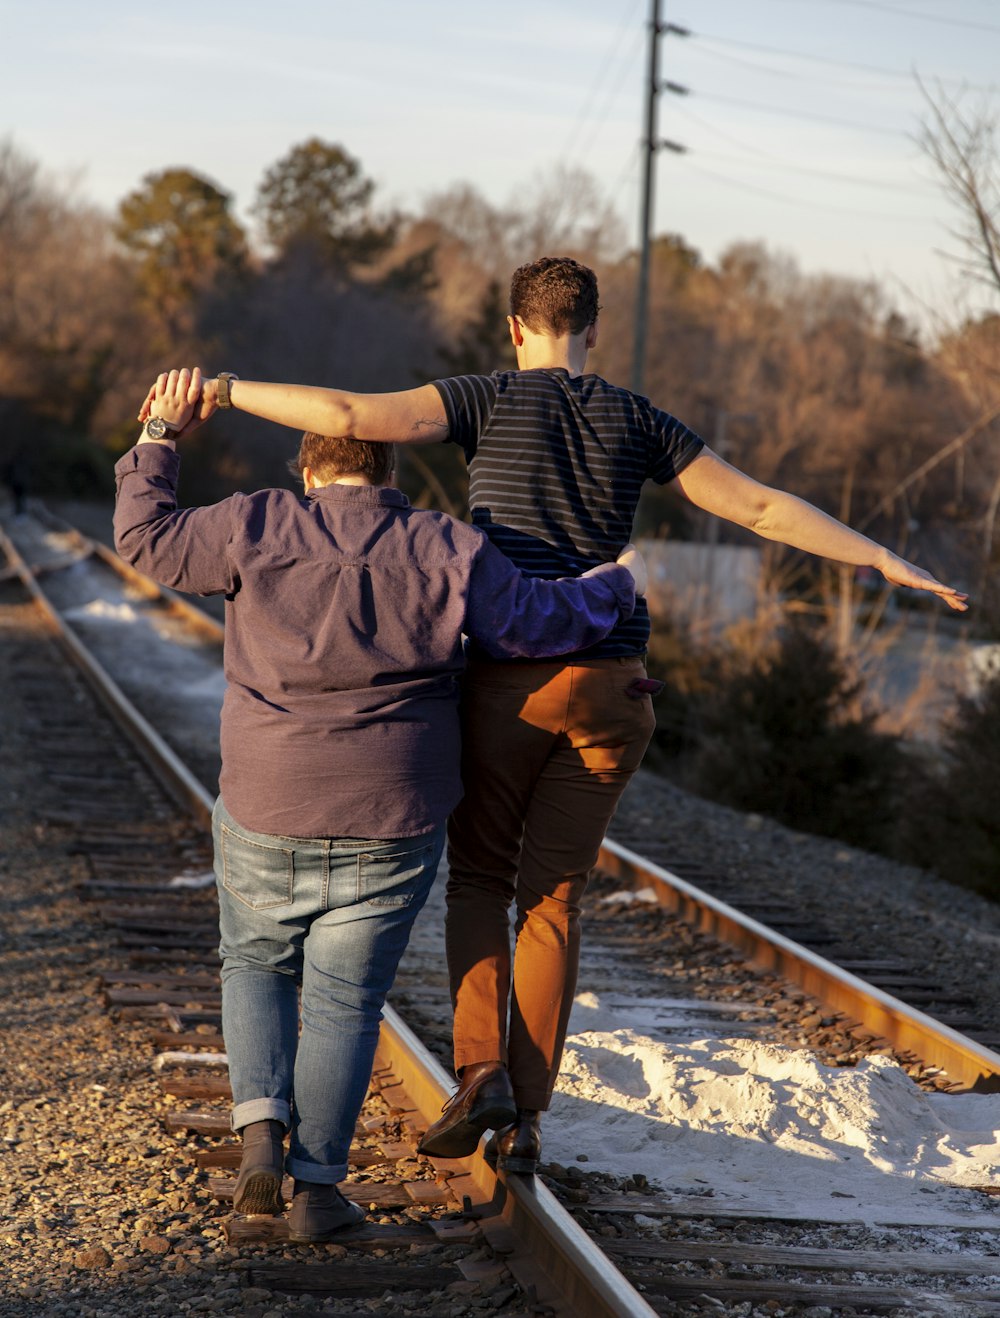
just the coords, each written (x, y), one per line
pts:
(557, 457)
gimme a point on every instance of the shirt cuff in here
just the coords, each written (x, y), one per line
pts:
(156, 459)
(621, 580)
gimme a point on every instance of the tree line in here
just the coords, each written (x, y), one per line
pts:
(813, 382)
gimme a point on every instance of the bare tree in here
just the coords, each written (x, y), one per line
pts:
(62, 297)
(963, 145)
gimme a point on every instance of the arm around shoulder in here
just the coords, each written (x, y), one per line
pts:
(517, 617)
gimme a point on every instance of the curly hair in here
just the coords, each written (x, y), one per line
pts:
(554, 295)
(330, 457)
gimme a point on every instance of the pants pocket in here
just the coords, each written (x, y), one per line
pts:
(261, 876)
(395, 878)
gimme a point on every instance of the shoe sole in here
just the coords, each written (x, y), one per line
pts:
(260, 1195)
(463, 1138)
(520, 1166)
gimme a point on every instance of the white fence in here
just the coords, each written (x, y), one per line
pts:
(704, 586)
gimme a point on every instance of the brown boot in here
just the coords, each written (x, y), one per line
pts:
(484, 1101)
(320, 1212)
(519, 1147)
(258, 1187)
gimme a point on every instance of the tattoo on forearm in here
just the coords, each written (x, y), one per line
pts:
(427, 424)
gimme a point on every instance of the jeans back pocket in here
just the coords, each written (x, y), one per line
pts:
(259, 875)
(395, 878)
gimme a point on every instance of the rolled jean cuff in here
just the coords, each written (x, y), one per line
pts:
(262, 1109)
(314, 1173)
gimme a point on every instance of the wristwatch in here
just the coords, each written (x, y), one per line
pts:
(224, 380)
(157, 428)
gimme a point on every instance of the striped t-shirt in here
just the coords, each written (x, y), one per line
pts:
(556, 464)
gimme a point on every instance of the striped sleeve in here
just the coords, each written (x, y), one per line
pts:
(468, 404)
(672, 446)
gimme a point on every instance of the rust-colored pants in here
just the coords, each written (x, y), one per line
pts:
(547, 751)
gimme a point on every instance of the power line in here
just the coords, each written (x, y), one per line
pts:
(627, 70)
(802, 55)
(745, 147)
(827, 60)
(628, 169)
(770, 69)
(916, 13)
(835, 177)
(761, 108)
(771, 195)
(782, 163)
(627, 25)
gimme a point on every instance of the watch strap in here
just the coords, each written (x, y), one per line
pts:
(225, 379)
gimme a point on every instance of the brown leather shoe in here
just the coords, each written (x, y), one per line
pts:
(258, 1187)
(518, 1147)
(484, 1101)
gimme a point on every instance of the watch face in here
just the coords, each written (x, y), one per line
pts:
(156, 427)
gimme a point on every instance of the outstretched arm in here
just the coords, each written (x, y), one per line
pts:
(413, 416)
(714, 485)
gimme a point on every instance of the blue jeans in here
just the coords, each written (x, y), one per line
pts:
(330, 917)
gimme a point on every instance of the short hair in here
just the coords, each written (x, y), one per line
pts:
(554, 295)
(329, 457)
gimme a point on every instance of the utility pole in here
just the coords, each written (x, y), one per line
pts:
(646, 218)
(651, 144)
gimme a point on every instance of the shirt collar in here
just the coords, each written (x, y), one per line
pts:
(372, 496)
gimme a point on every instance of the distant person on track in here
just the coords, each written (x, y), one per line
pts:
(13, 476)
(557, 458)
(345, 611)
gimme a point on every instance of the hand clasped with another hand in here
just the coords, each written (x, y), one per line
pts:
(182, 398)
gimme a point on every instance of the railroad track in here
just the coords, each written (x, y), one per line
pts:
(528, 1244)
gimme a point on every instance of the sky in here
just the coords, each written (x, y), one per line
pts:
(800, 120)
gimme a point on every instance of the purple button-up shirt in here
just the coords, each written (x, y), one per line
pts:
(345, 612)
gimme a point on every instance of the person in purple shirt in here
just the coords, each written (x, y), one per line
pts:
(345, 616)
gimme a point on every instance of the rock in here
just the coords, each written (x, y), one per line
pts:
(95, 1257)
(154, 1244)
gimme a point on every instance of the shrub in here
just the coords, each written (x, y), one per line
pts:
(955, 822)
(683, 667)
(781, 731)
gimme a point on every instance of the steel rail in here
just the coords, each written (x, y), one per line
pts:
(967, 1063)
(167, 766)
(581, 1278)
(176, 603)
(586, 1281)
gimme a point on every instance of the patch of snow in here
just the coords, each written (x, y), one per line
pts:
(103, 611)
(627, 897)
(761, 1122)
